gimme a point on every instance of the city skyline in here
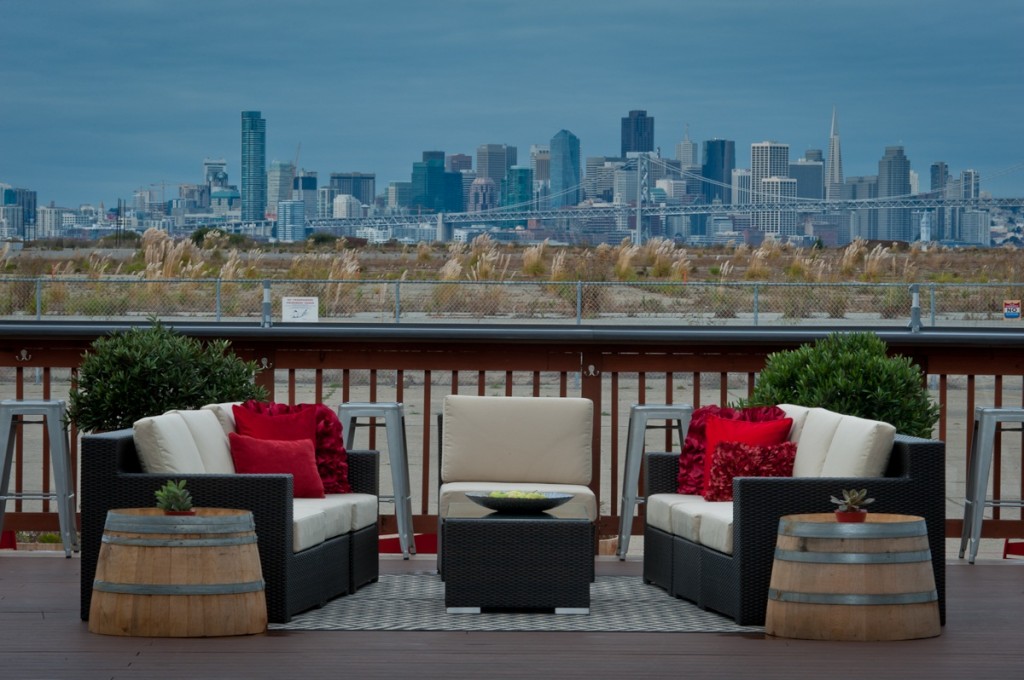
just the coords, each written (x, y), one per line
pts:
(107, 97)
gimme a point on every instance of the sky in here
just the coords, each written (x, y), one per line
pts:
(99, 98)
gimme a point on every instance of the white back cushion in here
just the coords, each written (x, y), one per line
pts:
(816, 435)
(860, 448)
(211, 440)
(224, 414)
(799, 415)
(516, 439)
(165, 444)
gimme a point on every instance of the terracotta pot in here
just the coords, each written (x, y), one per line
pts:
(851, 515)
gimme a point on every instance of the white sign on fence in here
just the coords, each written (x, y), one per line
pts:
(300, 309)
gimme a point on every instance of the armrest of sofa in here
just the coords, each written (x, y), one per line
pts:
(661, 472)
(364, 471)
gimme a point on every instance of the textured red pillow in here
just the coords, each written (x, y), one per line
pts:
(732, 459)
(762, 433)
(691, 475)
(268, 456)
(284, 426)
(331, 457)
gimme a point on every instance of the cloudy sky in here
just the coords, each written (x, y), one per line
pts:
(101, 97)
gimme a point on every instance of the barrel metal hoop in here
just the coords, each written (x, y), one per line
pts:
(852, 530)
(157, 524)
(180, 542)
(853, 558)
(850, 599)
(179, 589)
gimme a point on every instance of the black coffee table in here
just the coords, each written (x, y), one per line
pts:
(500, 561)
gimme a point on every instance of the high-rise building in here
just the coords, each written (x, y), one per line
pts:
(325, 201)
(687, 151)
(863, 222)
(434, 189)
(362, 185)
(457, 162)
(894, 224)
(399, 194)
(518, 190)
(939, 176)
(291, 221)
(215, 173)
(810, 178)
(483, 195)
(346, 206)
(781, 223)
(768, 160)
(599, 180)
(740, 186)
(637, 132)
(540, 162)
(719, 162)
(814, 155)
(254, 166)
(304, 189)
(970, 184)
(566, 173)
(280, 180)
(494, 161)
(834, 170)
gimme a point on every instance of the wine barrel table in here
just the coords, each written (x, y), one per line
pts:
(164, 575)
(852, 581)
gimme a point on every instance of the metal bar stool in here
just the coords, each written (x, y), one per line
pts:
(393, 414)
(639, 415)
(60, 457)
(986, 422)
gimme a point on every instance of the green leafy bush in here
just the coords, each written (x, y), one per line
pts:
(850, 373)
(147, 371)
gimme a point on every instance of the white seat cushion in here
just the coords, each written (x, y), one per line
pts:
(516, 439)
(659, 508)
(364, 509)
(455, 492)
(309, 524)
(860, 448)
(165, 444)
(210, 439)
(716, 526)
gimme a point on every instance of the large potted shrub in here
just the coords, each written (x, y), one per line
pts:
(147, 371)
(850, 373)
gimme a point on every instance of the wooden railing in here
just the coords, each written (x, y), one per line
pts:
(613, 366)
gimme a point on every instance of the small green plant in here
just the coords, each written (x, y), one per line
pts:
(173, 497)
(852, 500)
(850, 373)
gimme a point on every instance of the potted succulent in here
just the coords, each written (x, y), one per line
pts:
(851, 505)
(174, 499)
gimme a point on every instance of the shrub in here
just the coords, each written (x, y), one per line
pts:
(850, 373)
(147, 371)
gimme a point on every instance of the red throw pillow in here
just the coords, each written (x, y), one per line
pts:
(285, 426)
(757, 433)
(331, 457)
(268, 456)
(732, 459)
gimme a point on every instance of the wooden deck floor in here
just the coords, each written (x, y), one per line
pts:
(41, 636)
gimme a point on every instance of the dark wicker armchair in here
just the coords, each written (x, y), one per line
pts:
(737, 584)
(112, 478)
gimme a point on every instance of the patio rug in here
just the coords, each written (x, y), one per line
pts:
(416, 602)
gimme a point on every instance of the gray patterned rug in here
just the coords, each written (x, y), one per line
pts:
(416, 602)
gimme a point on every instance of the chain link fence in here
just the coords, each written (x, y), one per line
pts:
(341, 301)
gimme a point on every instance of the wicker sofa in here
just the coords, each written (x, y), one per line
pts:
(305, 557)
(732, 576)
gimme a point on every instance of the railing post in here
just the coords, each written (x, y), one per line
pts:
(267, 320)
(931, 301)
(39, 299)
(579, 303)
(398, 301)
(915, 308)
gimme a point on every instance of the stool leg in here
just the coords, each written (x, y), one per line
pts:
(631, 478)
(60, 459)
(986, 442)
(969, 500)
(7, 441)
(347, 423)
(394, 422)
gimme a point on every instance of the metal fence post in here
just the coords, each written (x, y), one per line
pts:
(579, 303)
(39, 299)
(931, 300)
(267, 320)
(218, 299)
(915, 308)
(757, 308)
(398, 301)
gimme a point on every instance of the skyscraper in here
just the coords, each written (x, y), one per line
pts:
(810, 178)
(687, 151)
(719, 162)
(768, 161)
(362, 185)
(894, 224)
(518, 190)
(566, 176)
(280, 178)
(834, 170)
(637, 132)
(939, 176)
(254, 166)
(494, 161)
